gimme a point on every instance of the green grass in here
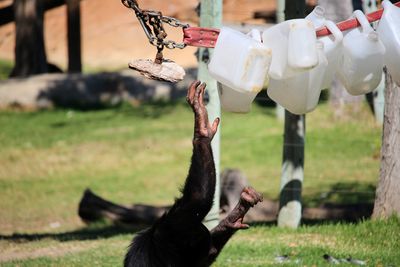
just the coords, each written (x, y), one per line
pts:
(142, 154)
(5, 68)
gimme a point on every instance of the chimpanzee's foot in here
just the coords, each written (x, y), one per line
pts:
(250, 196)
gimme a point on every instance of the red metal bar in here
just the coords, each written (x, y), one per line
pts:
(353, 23)
(207, 37)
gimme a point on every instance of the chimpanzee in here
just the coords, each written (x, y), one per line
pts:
(179, 238)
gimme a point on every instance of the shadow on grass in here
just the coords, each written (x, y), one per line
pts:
(109, 89)
(342, 203)
(88, 233)
(150, 110)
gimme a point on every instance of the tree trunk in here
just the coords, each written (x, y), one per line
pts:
(30, 54)
(93, 208)
(74, 36)
(387, 201)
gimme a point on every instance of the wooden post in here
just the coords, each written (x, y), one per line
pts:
(30, 52)
(74, 35)
(293, 150)
(211, 16)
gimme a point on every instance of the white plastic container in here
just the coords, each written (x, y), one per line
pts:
(239, 61)
(234, 101)
(332, 43)
(360, 69)
(300, 94)
(293, 44)
(389, 33)
(333, 49)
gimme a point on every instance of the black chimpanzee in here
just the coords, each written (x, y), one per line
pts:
(179, 238)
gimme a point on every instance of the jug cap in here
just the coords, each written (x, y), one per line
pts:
(373, 36)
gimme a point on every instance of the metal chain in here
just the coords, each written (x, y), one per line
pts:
(152, 24)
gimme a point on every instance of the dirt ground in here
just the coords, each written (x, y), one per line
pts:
(112, 36)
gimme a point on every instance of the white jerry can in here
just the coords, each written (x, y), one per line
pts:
(360, 69)
(240, 64)
(299, 94)
(333, 47)
(239, 61)
(234, 101)
(293, 44)
(389, 33)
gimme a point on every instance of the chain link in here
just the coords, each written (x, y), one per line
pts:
(152, 24)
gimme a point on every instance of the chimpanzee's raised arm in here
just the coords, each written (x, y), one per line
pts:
(199, 188)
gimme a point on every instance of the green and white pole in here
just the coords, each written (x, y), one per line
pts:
(280, 17)
(211, 16)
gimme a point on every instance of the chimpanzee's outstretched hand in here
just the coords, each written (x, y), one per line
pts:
(202, 127)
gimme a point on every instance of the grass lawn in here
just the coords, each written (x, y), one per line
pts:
(5, 68)
(141, 154)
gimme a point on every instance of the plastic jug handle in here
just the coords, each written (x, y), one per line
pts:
(336, 32)
(360, 16)
(386, 4)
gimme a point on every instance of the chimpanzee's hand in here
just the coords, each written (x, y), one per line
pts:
(202, 127)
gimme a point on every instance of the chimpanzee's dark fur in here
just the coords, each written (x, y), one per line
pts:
(179, 238)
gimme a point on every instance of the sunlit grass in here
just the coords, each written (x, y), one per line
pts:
(142, 154)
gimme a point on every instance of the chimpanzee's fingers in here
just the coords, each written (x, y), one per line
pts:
(191, 92)
(202, 90)
(239, 225)
(197, 95)
(214, 126)
(244, 226)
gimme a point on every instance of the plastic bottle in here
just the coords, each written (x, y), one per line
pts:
(300, 94)
(239, 61)
(360, 69)
(293, 47)
(389, 33)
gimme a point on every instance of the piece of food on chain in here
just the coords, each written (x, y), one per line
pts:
(166, 71)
